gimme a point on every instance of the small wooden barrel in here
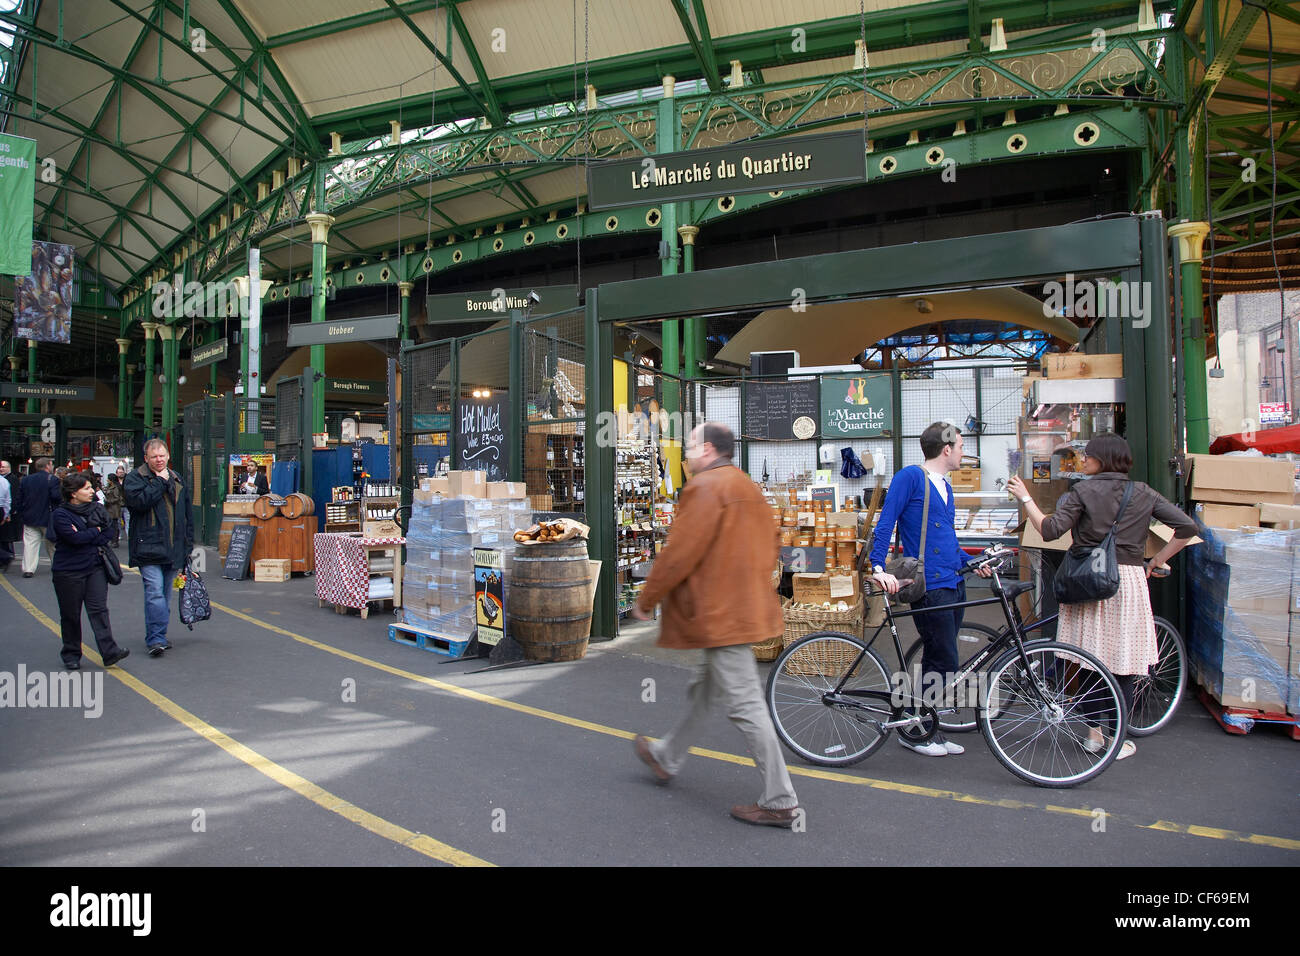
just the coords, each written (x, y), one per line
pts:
(228, 524)
(297, 504)
(264, 508)
(549, 609)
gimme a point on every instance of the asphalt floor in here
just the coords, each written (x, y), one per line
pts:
(280, 733)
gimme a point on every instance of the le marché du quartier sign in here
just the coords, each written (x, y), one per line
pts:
(822, 159)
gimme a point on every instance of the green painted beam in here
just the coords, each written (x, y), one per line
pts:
(495, 113)
(333, 27)
(700, 42)
(482, 106)
(1092, 246)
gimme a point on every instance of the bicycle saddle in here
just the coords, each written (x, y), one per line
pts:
(1013, 588)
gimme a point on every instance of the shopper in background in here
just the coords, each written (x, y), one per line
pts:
(114, 501)
(11, 530)
(6, 509)
(905, 505)
(714, 577)
(81, 526)
(38, 496)
(161, 536)
(1120, 631)
(126, 512)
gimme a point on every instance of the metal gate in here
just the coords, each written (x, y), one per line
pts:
(204, 454)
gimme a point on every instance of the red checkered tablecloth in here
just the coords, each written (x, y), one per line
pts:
(343, 567)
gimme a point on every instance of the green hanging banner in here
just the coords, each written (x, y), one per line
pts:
(857, 406)
(17, 201)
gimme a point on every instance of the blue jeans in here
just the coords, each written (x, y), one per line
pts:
(939, 629)
(157, 596)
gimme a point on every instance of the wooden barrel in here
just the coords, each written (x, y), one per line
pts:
(264, 508)
(297, 504)
(549, 608)
(228, 524)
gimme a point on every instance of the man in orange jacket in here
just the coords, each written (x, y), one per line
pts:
(714, 577)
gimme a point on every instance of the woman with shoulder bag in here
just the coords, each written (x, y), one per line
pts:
(81, 527)
(1119, 630)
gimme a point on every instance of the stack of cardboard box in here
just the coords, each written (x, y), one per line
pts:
(1244, 617)
(1229, 490)
(450, 517)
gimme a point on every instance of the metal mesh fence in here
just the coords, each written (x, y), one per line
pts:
(426, 406)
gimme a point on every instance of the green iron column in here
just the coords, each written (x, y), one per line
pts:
(666, 142)
(320, 230)
(14, 364)
(166, 414)
(404, 310)
(1190, 236)
(693, 352)
(147, 415)
(122, 346)
(33, 405)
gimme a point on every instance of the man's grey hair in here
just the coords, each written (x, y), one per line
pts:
(154, 443)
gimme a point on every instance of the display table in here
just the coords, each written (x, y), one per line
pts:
(343, 570)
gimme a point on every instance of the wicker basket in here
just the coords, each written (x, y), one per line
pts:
(770, 649)
(802, 621)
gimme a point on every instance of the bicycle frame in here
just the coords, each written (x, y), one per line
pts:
(1013, 635)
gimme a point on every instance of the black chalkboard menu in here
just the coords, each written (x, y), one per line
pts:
(481, 425)
(777, 410)
(241, 549)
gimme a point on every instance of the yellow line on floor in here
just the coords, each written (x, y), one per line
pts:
(818, 774)
(419, 842)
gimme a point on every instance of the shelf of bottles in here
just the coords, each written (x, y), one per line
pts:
(642, 514)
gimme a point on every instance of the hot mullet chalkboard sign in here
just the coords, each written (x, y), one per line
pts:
(781, 411)
(481, 425)
(241, 549)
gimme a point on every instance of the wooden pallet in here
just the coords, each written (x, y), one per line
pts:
(427, 640)
(1239, 721)
(364, 612)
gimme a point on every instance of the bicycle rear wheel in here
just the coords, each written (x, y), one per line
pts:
(828, 734)
(1157, 693)
(971, 639)
(1038, 719)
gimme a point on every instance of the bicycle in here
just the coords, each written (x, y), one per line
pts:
(833, 703)
(1156, 695)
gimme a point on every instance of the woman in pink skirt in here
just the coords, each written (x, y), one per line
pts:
(1120, 630)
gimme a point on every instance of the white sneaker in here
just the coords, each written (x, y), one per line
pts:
(932, 749)
(951, 748)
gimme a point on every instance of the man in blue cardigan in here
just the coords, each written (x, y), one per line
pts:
(941, 444)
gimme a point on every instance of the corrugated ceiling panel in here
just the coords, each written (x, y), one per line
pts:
(728, 17)
(541, 34)
(369, 65)
(270, 17)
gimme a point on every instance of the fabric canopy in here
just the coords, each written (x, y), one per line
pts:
(1270, 441)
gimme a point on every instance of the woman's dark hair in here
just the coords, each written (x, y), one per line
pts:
(1112, 451)
(73, 482)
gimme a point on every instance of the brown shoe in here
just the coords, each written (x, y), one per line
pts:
(642, 745)
(763, 817)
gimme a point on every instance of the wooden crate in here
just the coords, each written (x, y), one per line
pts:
(272, 570)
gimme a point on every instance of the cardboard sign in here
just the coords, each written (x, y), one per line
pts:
(489, 595)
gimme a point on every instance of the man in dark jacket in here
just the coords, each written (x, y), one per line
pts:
(38, 496)
(161, 536)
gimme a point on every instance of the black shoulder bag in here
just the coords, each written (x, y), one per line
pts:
(1091, 574)
(112, 566)
(913, 568)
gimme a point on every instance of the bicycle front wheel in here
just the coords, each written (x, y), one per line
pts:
(1041, 711)
(828, 733)
(971, 639)
(1157, 693)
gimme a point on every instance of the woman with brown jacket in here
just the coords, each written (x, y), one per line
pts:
(1121, 629)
